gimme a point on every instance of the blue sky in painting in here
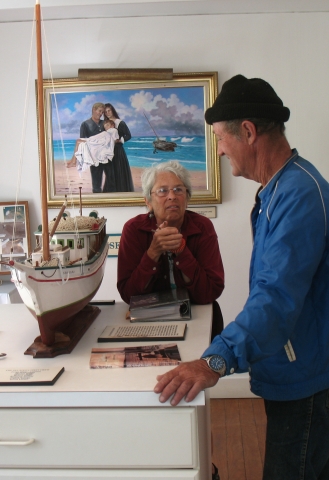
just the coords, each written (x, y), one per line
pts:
(171, 110)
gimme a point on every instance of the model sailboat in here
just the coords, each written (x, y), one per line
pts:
(66, 269)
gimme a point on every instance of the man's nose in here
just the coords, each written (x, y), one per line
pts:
(220, 151)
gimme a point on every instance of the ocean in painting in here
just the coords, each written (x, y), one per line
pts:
(190, 151)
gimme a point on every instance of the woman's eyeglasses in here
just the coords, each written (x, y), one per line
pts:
(164, 191)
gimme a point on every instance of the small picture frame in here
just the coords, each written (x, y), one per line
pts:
(209, 212)
(114, 243)
(14, 233)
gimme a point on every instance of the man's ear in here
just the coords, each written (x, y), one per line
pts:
(249, 131)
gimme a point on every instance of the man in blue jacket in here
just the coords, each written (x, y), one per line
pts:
(282, 334)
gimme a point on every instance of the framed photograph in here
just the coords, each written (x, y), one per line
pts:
(14, 233)
(165, 119)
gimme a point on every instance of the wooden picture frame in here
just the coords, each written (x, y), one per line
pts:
(170, 109)
(14, 233)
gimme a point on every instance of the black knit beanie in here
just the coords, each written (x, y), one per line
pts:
(241, 97)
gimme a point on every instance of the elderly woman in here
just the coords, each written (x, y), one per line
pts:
(169, 246)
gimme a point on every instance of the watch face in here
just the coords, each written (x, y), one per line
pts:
(216, 363)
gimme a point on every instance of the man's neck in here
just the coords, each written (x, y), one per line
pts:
(272, 156)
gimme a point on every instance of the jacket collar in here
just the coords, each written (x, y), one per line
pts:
(262, 191)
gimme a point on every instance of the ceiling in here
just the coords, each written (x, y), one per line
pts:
(22, 10)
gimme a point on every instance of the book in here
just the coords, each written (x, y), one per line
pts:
(173, 304)
(145, 356)
(29, 376)
(102, 302)
(150, 331)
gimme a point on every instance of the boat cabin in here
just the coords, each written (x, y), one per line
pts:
(71, 246)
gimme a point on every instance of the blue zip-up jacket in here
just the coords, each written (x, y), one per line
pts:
(282, 334)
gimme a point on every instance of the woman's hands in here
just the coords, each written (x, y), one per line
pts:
(164, 239)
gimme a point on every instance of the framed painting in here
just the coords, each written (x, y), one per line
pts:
(14, 233)
(165, 119)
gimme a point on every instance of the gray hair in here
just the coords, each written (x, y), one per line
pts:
(150, 174)
(263, 125)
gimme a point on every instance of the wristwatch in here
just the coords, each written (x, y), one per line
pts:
(216, 363)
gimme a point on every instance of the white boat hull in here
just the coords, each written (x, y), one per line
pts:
(54, 295)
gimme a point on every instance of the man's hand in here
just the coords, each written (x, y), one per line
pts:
(186, 380)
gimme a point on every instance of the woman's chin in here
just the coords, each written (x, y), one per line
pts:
(174, 217)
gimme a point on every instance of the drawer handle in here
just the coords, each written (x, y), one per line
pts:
(18, 443)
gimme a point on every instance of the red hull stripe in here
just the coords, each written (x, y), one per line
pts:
(70, 279)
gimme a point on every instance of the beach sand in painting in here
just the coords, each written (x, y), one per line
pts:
(70, 177)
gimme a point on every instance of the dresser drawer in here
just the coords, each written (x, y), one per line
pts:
(42, 474)
(99, 437)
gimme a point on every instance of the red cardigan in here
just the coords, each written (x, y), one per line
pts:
(200, 260)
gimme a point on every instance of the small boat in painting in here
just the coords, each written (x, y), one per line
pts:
(159, 143)
(164, 145)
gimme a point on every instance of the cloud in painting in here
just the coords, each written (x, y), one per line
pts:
(71, 114)
(169, 115)
(165, 110)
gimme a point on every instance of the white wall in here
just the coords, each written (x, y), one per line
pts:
(287, 49)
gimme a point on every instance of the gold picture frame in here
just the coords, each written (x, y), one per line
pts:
(167, 109)
(14, 233)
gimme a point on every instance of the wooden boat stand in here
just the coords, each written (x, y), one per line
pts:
(68, 338)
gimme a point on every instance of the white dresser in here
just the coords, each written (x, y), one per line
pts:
(103, 423)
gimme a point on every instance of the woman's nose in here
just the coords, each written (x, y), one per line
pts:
(171, 193)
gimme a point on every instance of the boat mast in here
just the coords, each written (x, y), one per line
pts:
(42, 148)
(155, 133)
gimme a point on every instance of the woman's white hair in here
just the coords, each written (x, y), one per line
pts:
(150, 174)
